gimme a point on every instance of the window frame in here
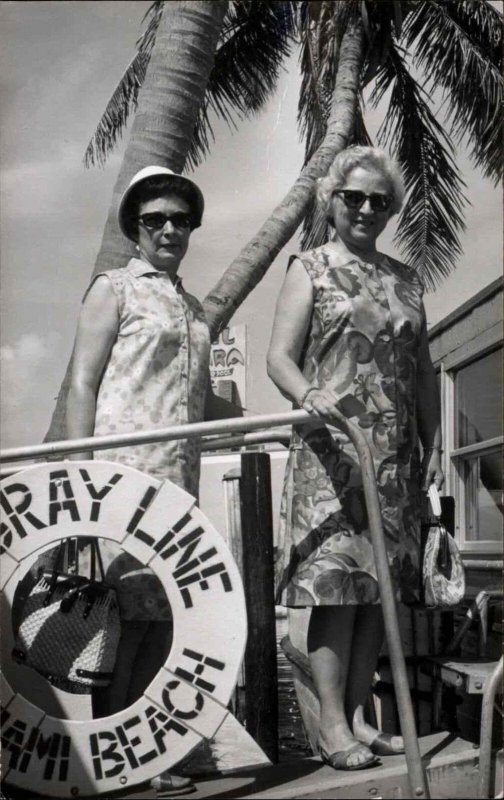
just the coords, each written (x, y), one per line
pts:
(456, 459)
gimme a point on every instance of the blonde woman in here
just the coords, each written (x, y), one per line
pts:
(350, 334)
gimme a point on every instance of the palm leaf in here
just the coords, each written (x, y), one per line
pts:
(432, 216)
(113, 122)
(459, 47)
(320, 26)
(125, 96)
(255, 39)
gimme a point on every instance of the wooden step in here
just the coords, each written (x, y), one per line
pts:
(452, 766)
(451, 763)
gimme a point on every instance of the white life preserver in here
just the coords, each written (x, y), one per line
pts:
(159, 524)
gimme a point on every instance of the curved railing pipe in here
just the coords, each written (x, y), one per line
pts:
(416, 772)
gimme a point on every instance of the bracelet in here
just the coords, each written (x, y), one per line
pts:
(305, 395)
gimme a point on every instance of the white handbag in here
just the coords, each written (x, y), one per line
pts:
(443, 576)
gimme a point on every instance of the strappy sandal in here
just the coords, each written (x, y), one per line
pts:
(339, 759)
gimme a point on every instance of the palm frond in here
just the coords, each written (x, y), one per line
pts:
(431, 219)
(113, 121)
(151, 19)
(458, 44)
(321, 26)
(125, 96)
(255, 39)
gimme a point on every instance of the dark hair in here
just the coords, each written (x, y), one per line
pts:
(159, 186)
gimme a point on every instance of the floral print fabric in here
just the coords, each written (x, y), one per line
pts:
(156, 376)
(368, 343)
(157, 373)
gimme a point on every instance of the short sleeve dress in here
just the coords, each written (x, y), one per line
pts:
(156, 375)
(367, 342)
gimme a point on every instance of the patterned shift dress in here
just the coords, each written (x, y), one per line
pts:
(156, 376)
(368, 343)
(157, 372)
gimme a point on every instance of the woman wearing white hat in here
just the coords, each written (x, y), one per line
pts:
(141, 360)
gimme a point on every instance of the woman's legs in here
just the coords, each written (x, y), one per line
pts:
(132, 634)
(143, 649)
(368, 636)
(330, 635)
(151, 655)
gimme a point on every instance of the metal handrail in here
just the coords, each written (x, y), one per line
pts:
(493, 685)
(208, 445)
(416, 772)
(190, 431)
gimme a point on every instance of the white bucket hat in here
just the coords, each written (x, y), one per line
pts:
(196, 196)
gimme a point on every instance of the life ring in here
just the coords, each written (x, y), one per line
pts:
(159, 524)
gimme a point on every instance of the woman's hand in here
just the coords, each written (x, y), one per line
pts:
(321, 403)
(431, 470)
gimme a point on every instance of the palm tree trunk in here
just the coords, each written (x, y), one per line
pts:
(168, 107)
(252, 263)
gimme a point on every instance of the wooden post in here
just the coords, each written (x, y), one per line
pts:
(234, 539)
(261, 703)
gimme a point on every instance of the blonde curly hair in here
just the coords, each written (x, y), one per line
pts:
(360, 156)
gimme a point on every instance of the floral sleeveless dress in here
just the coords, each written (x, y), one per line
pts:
(367, 342)
(157, 372)
(156, 376)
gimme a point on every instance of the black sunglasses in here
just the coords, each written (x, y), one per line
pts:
(156, 220)
(353, 198)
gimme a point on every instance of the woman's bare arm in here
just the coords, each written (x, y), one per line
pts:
(96, 332)
(292, 319)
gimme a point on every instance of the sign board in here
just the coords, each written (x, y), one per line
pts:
(159, 524)
(228, 365)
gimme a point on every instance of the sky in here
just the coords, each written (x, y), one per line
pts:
(59, 64)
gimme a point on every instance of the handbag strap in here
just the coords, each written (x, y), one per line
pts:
(92, 567)
(96, 559)
(99, 559)
(68, 552)
(58, 565)
(72, 554)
